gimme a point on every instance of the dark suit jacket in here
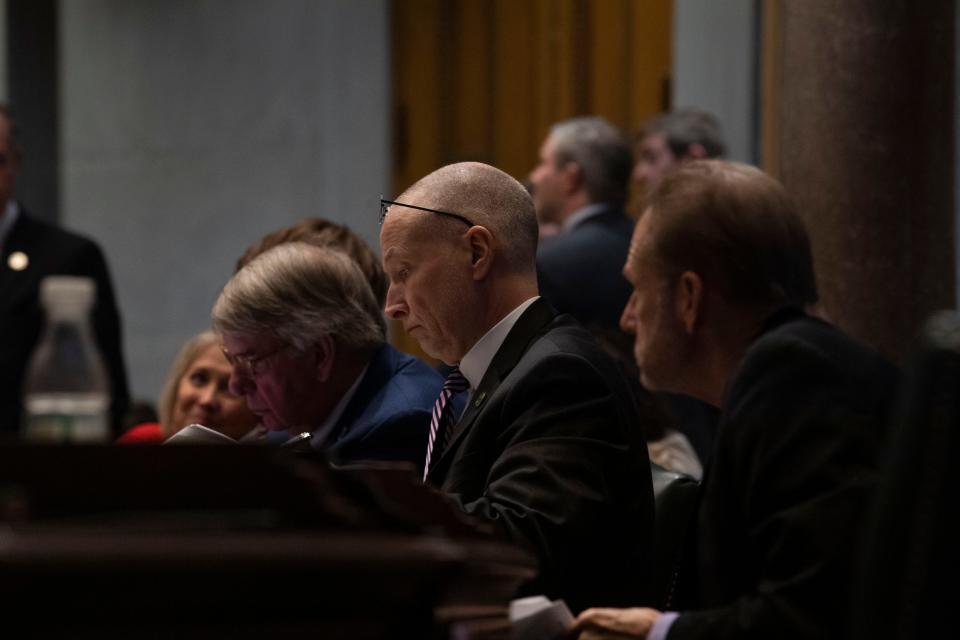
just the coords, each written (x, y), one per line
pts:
(549, 449)
(51, 251)
(388, 418)
(792, 472)
(581, 270)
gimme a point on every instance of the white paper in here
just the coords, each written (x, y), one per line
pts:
(199, 434)
(537, 618)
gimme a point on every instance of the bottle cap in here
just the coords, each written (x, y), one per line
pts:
(68, 292)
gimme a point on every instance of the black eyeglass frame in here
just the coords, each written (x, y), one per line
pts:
(385, 204)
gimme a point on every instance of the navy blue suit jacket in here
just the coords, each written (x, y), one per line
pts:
(388, 418)
(581, 270)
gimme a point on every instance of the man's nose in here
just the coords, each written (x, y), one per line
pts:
(239, 382)
(627, 320)
(395, 307)
(640, 172)
(531, 182)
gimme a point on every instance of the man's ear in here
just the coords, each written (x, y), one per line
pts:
(572, 176)
(688, 301)
(324, 353)
(481, 251)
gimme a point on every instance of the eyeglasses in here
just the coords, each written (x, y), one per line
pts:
(250, 363)
(384, 204)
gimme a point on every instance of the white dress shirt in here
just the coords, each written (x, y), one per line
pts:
(475, 363)
(582, 214)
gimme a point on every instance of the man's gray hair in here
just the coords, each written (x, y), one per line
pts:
(301, 293)
(601, 152)
(685, 127)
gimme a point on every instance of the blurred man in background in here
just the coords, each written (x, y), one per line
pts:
(671, 139)
(30, 250)
(580, 185)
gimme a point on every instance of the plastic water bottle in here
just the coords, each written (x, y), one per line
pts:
(66, 394)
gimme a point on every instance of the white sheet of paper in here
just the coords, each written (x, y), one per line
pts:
(537, 618)
(198, 434)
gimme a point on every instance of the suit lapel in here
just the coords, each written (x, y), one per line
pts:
(14, 283)
(528, 326)
(378, 372)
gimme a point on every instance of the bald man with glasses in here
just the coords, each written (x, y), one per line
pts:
(547, 448)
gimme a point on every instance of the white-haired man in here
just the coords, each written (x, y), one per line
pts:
(305, 335)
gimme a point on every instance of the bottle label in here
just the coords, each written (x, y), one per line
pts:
(66, 418)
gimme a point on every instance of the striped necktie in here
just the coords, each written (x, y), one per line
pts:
(441, 422)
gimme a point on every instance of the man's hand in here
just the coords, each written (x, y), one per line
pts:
(598, 624)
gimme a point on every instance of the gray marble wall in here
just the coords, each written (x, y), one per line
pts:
(867, 151)
(190, 128)
(714, 67)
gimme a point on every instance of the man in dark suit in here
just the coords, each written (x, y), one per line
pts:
(548, 448)
(579, 187)
(30, 250)
(722, 270)
(306, 337)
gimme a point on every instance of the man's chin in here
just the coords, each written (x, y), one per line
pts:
(650, 383)
(431, 348)
(442, 356)
(425, 344)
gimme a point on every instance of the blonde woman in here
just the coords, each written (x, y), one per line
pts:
(197, 391)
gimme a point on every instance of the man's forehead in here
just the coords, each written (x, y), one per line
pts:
(642, 239)
(644, 222)
(634, 256)
(397, 223)
(235, 343)
(654, 141)
(240, 343)
(397, 236)
(546, 149)
(412, 226)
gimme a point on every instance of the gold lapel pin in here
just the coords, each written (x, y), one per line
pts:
(18, 261)
(480, 399)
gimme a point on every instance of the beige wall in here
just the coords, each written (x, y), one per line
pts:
(191, 128)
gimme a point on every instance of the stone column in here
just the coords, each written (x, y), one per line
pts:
(865, 125)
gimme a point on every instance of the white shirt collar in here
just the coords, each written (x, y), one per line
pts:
(475, 363)
(582, 214)
(10, 215)
(319, 437)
